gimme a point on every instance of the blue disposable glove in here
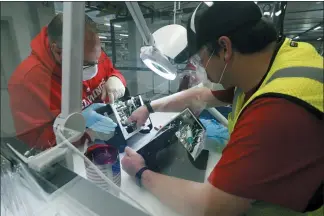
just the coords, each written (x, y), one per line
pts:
(215, 130)
(96, 121)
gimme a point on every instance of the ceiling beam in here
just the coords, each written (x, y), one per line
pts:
(304, 11)
(312, 28)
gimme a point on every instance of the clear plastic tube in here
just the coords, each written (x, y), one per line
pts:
(105, 178)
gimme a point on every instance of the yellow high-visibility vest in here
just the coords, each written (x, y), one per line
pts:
(296, 75)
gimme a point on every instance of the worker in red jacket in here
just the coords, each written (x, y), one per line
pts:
(35, 86)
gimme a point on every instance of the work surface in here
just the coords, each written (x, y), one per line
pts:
(128, 185)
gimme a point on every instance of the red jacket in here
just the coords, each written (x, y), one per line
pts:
(35, 92)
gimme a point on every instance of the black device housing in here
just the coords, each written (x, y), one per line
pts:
(165, 154)
(118, 140)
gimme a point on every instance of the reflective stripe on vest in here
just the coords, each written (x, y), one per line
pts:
(311, 77)
(305, 72)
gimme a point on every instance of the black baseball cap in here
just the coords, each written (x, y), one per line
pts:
(206, 24)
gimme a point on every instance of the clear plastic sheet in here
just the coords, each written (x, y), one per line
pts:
(21, 195)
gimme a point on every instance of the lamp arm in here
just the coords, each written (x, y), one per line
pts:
(140, 22)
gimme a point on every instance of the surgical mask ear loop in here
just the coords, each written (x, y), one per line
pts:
(220, 79)
(209, 60)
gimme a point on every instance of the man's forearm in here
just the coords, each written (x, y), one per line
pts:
(187, 197)
(194, 99)
(192, 198)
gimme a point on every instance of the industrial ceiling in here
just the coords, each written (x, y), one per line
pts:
(299, 20)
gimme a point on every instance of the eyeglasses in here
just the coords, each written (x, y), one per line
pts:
(196, 59)
(92, 64)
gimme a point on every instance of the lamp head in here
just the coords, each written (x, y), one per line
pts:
(158, 62)
(158, 57)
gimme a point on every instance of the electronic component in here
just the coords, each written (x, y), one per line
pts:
(177, 149)
(191, 133)
(188, 130)
(122, 110)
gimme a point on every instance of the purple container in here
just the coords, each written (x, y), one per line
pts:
(106, 158)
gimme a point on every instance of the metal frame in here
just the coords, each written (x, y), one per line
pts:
(73, 43)
(280, 26)
(125, 19)
(140, 22)
(113, 45)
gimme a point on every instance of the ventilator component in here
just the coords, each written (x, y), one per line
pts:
(122, 111)
(191, 133)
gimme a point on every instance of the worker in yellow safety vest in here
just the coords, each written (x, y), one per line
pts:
(273, 163)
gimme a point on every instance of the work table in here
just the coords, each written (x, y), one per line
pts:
(128, 185)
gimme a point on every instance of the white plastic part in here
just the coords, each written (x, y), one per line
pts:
(214, 112)
(171, 40)
(73, 126)
(72, 55)
(218, 116)
(46, 159)
(158, 63)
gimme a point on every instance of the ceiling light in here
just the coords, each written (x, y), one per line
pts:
(319, 38)
(208, 3)
(124, 35)
(266, 13)
(278, 13)
(115, 25)
(318, 27)
(272, 14)
(102, 37)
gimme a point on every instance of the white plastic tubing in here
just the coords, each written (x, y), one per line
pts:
(214, 112)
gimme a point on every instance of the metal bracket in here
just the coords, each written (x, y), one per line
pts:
(140, 22)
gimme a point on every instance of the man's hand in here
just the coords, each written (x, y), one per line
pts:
(113, 89)
(140, 115)
(132, 162)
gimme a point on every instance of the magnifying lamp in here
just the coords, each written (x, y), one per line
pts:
(157, 62)
(157, 57)
(163, 45)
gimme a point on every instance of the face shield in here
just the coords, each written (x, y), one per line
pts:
(188, 77)
(201, 72)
